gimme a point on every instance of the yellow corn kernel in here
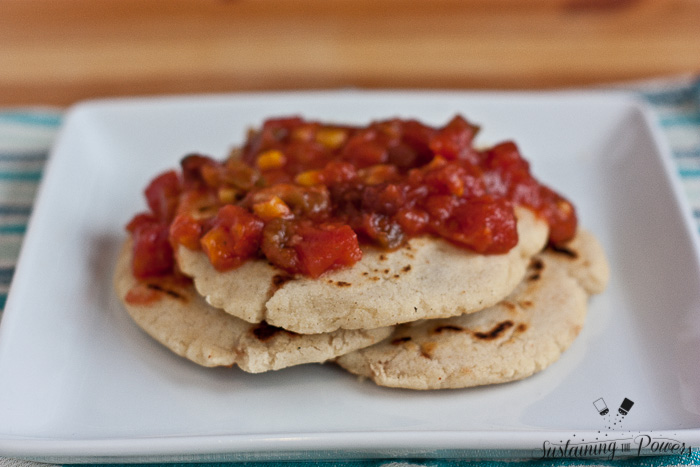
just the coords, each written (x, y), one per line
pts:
(437, 162)
(271, 159)
(377, 174)
(227, 195)
(309, 178)
(271, 209)
(331, 137)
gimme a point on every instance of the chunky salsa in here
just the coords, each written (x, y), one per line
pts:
(305, 195)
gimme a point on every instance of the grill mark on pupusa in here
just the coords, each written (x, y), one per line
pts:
(564, 251)
(448, 327)
(495, 332)
(167, 291)
(278, 281)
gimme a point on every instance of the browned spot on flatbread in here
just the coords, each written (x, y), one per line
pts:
(448, 327)
(522, 327)
(264, 332)
(338, 283)
(510, 305)
(496, 332)
(427, 349)
(278, 281)
(563, 250)
(400, 340)
(406, 268)
(382, 257)
(536, 264)
(168, 291)
(526, 303)
(536, 267)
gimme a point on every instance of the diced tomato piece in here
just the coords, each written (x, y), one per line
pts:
(454, 140)
(560, 215)
(338, 172)
(507, 160)
(484, 225)
(440, 207)
(162, 195)
(186, 230)
(363, 150)
(413, 221)
(139, 220)
(234, 238)
(322, 248)
(152, 253)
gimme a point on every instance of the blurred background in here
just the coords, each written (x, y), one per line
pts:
(57, 52)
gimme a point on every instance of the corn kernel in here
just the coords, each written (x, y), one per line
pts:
(227, 195)
(271, 209)
(331, 137)
(271, 159)
(309, 178)
(437, 162)
(377, 174)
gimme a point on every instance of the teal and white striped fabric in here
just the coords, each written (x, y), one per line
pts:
(25, 139)
(26, 136)
(678, 109)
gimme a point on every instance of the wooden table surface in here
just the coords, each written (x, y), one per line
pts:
(61, 51)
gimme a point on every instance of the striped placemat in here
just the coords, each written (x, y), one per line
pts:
(25, 139)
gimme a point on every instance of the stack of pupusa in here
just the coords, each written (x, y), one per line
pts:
(518, 336)
(426, 315)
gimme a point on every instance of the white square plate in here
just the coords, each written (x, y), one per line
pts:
(80, 382)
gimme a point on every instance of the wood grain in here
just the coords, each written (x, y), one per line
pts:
(61, 51)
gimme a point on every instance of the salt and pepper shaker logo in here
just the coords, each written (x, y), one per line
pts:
(625, 406)
(600, 406)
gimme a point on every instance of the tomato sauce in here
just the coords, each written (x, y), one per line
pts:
(305, 195)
